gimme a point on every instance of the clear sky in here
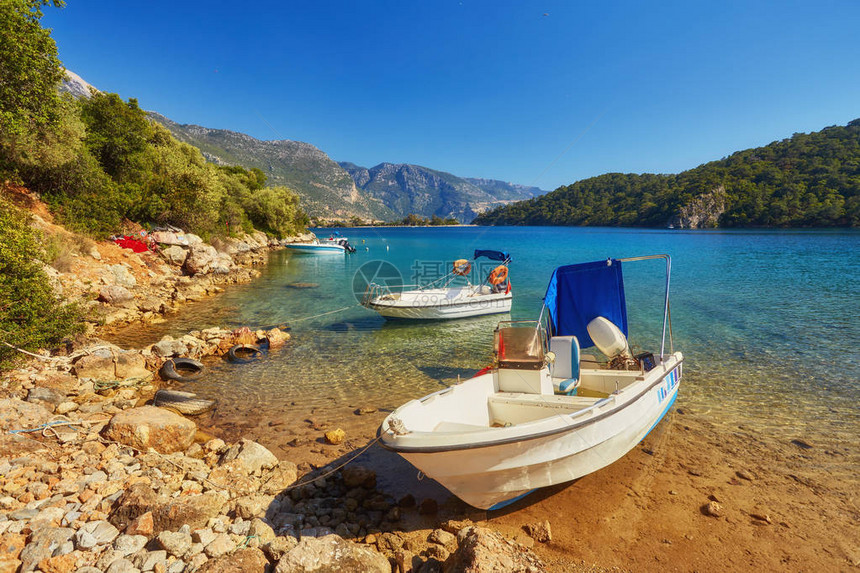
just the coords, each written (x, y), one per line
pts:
(535, 92)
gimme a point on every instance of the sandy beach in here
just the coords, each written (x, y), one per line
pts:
(783, 504)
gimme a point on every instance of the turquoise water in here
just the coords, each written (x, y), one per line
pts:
(767, 321)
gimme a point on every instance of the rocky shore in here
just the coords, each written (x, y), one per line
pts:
(95, 479)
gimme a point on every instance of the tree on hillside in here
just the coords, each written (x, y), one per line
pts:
(29, 69)
(117, 132)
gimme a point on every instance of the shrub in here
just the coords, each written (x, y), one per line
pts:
(31, 315)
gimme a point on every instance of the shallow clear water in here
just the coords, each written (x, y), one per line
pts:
(767, 321)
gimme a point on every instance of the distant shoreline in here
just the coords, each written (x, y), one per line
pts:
(314, 229)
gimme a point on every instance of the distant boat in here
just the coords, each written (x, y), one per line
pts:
(670, 226)
(439, 300)
(322, 247)
(543, 414)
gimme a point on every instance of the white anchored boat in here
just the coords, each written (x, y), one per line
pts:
(543, 414)
(327, 247)
(441, 299)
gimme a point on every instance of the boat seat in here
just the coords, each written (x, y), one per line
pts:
(517, 408)
(565, 367)
(446, 426)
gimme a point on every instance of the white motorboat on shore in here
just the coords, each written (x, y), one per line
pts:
(543, 414)
(441, 300)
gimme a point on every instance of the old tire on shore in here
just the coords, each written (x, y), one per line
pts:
(182, 369)
(244, 353)
(183, 402)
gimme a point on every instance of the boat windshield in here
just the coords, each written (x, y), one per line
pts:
(519, 345)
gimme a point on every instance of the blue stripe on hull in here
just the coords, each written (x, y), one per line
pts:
(508, 502)
(669, 405)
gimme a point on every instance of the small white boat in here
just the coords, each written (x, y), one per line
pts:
(322, 247)
(543, 414)
(439, 300)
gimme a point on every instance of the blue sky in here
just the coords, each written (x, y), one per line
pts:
(538, 93)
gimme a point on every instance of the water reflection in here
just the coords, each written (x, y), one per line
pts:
(767, 323)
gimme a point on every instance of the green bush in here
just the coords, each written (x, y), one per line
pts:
(31, 315)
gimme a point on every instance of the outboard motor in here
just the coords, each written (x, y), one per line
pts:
(345, 244)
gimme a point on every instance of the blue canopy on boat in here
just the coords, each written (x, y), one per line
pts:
(577, 294)
(493, 255)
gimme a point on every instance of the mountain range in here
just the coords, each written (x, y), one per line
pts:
(331, 190)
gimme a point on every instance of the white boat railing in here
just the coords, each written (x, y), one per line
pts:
(667, 317)
(374, 291)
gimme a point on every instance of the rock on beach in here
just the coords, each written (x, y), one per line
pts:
(151, 427)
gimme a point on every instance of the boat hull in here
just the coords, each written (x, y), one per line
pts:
(314, 249)
(489, 473)
(439, 308)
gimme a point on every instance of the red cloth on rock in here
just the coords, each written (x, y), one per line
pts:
(131, 243)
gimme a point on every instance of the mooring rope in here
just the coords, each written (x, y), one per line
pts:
(336, 468)
(325, 313)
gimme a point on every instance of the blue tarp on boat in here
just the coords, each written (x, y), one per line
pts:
(493, 255)
(577, 294)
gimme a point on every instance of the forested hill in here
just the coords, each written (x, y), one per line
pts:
(808, 180)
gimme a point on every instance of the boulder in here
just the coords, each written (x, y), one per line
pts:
(141, 526)
(279, 546)
(176, 543)
(221, 545)
(252, 455)
(131, 364)
(222, 264)
(244, 335)
(151, 427)
(331, 553)
(285, 474)
(95, 533)
(248, 560)
(335, 437)
(47, 397)
(11, 545)
(42, 545)
(19, 415)
(175, 255)
(540, 531)
(485, 551)
(201, 258)
(61, 381)
(443, 538)
(129, 544)
(140, 506)
(168, 347)
(277, 337)
(169, 238)
(151, 304)
(115, 294)
(263, 532)
(61, 563)
(96, 366)
(254, 505)
(122, 276)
